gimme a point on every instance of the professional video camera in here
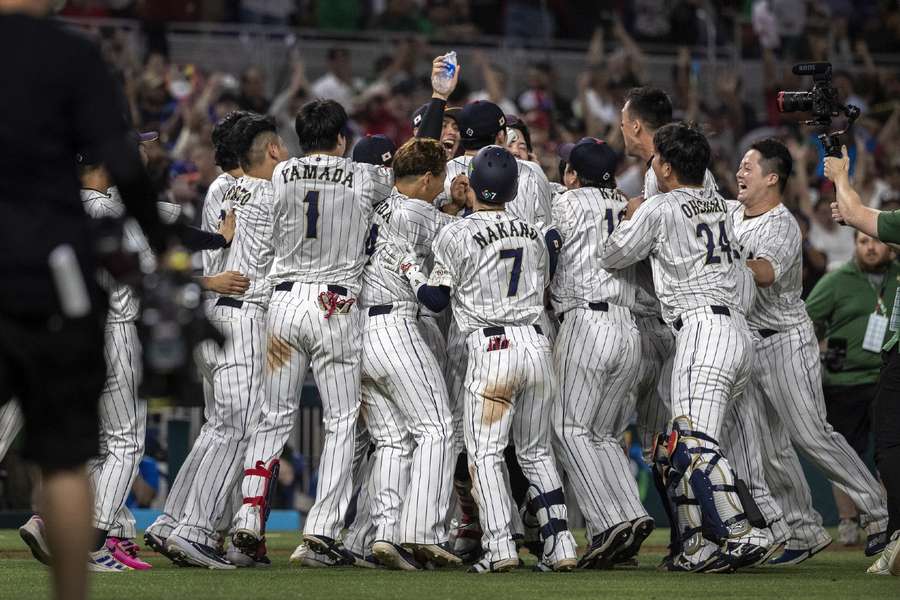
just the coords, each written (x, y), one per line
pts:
(822, 101)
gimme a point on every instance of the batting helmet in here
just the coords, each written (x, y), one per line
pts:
(494, 175)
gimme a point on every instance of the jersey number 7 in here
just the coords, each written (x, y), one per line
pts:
(516, 255)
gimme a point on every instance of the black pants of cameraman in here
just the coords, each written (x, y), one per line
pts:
(886, 424)
(56, 369)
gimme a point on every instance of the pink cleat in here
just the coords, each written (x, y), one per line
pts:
(126, 552)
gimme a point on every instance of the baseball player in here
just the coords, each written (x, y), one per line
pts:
(322, 206)
(483, 123)
(596, 357)
(494, 266)
(235, 369)
(410, 484)
(216, 281)
(786, 378)
(686, 233)
(449, 136)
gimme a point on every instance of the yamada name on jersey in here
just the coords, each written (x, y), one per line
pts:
(697, 206)
(325, 173)
(501, 230)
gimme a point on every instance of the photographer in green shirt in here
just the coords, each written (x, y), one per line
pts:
(850, 308)
(885, 226)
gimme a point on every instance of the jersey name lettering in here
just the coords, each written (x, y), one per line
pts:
(698, 206)
(499, 231)
(312, 172)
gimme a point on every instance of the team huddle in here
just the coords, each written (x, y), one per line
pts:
(478, 336)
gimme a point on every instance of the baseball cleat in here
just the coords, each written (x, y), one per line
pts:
(126, 552)
(876, 542)
(605, 545)
(330, 548)
(848, 532)
(365, 562)
(158, 544)
(889, 561)
(438, 554)
(102, 561)
(32, 533)
(196, 553)
(467, 545)
(242, 559)
(485, 565)
(304, 556)
(247, 531)
(394, 556)
(795, 557)
(641, 528)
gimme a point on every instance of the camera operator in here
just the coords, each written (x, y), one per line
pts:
(885, 226)
(850, 308)
(60, 98)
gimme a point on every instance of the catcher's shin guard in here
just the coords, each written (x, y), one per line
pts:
(710, 480)
(550, 510)
(270, 475)
(660, 468)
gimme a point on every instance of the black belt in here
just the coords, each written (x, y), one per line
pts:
(381, 309)
(495, 331)
(286, 286)
(767, 333)
(603, 306)
(229, 302)
(714, 308)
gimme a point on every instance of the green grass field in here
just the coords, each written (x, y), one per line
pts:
(835, 573)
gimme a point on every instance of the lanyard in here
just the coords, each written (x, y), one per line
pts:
(879, 306)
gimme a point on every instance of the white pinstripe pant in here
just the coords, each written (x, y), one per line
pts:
(711, 367)
(299, 335)
(360, 535)
(407, 411)
(455, 368)
(509, 393)
(787, 378)
(596, 357)
(11, 422)
(235, 370)
(653, 389)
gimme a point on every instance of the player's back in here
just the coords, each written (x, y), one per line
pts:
(322, 208)
(693, 262)
(214, 260)
(585, 217)
(251, 250)
(407, 225)
(497, 263)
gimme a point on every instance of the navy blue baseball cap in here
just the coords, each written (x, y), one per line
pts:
(450, 111)
(591, 158)
(494, 175)
(374, 150)
(479, 120)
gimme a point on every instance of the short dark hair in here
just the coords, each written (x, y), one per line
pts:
(318, 125)
(247, 132)
(685, 149)
(776, 158)
(419, 156)
(586, 182)
(650, 105)
(226, 155)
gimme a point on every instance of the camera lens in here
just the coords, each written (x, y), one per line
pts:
(789, 102)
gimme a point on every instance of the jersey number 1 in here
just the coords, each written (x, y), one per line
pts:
(312, 214)
(516, 255)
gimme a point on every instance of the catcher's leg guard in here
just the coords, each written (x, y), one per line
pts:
(264, 503)
(468, 534)
(660, 468)
(558, 542)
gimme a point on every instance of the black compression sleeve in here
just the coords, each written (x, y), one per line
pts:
(433, 119)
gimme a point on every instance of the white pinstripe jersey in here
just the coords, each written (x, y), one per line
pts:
(646, 303)
(123, 303)
(532, 202)
(408, 225)
(214, 260)
(585, 217)
(687, 233)
(322, 209)
(496, 267)
(775, 237)
(251, 250)
(168, 211)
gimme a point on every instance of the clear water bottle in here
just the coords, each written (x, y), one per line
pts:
(441, 81)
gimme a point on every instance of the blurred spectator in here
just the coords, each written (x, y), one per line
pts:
(814, 260)
(402, 15)
(451, 20)
(337, 84)
(843, 306)
(253, 91)
(495, 84)
(528, 22)
(541, 93)
(267, 12)
(287, 104)
(829, 237)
